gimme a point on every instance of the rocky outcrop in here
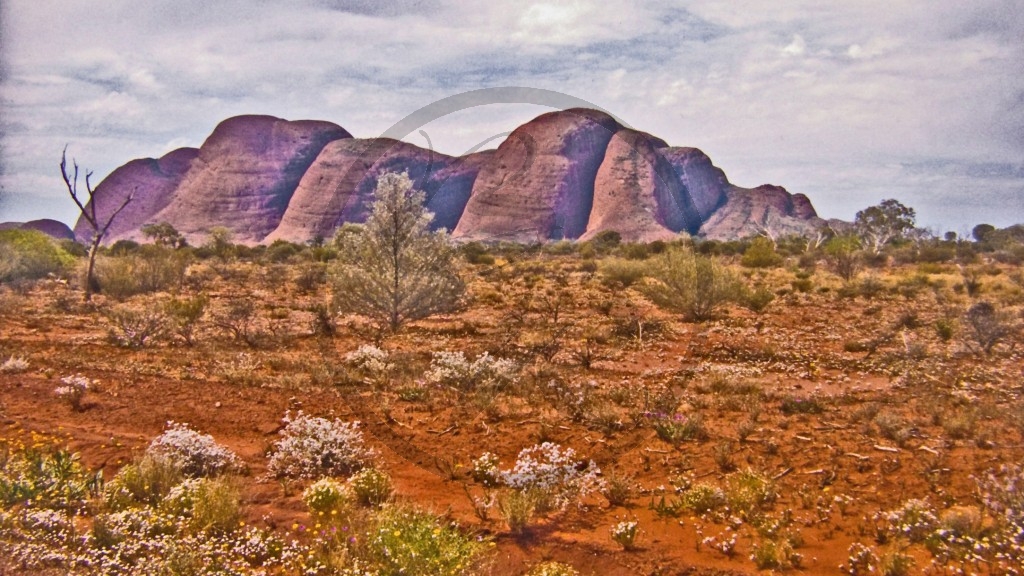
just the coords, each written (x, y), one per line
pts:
(704, 182)
(152, 184)
(245, 174)
(567, 174)
(338, 186)
(765, 209)
(52, 228)
(637, 193)
(539, 184)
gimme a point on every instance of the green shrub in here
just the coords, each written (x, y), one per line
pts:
(761, 254)
(146, 482)
(693, 285)
(552, 569)
(48, 478)
(371, 487)
(619, 273)
(150, 269)
(409, 541)
(30, 255)
(517, 508)
(702, 498)
(209, 505)
(184, 315)
(326, 497)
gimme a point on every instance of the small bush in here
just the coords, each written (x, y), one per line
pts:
(14, 365)
(792, 405)
(46, 478)
(133, 328)
(761, 254)
(195, 454)
(679, 428)
(517, 509)
(452, 369)
(146, 482)
(625, 533)
(30, 255)
(554, 473)
(184, 315)
(702, 498)
(209, 505)
(552, 569)
(693, 285)
(326, 497)
(371, 487)
(620, 273)
(408, 541)
(313, 447)
(151, 269)
(73, 391)
(987, 325)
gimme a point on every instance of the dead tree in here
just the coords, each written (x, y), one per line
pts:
(88, 211)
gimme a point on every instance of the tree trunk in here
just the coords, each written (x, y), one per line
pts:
(92, 264)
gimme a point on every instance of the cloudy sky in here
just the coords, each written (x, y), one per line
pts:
(848, 102)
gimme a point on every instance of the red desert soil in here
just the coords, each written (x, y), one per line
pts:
(796, 349)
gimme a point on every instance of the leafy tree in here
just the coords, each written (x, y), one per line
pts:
(87, 208)
(881, 224)
(394, 270)
(843, 253)
(220, 242)
(982, 232)
(694, 285)
(164, 234)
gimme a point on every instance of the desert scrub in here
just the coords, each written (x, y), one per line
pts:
(145, 482)
(207, 505)
(133, 328)
(374, 363)
(518, 508)
(678, 428)
(792, 405)
(408, 541)
(553, 569)
(48, 478)
(693, 285)
(195, 454)
(554, 473)
(14, 365)
(618, 488)
(625, 533)
(913, 521)
(775, 554)
(312, 447)
(326, 498)
(702, 498)
(30, 255)
(748, 491)
(371, 487)
(453, 369)
(73, 390)
(485, 470)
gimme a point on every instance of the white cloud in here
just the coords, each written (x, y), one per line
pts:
(797, 47)
(821, 98)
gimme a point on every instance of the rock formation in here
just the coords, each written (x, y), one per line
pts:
(566, 174)
(52, 228)
(152, 183)
(637, 193)
(244, 176)
(539, 185)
